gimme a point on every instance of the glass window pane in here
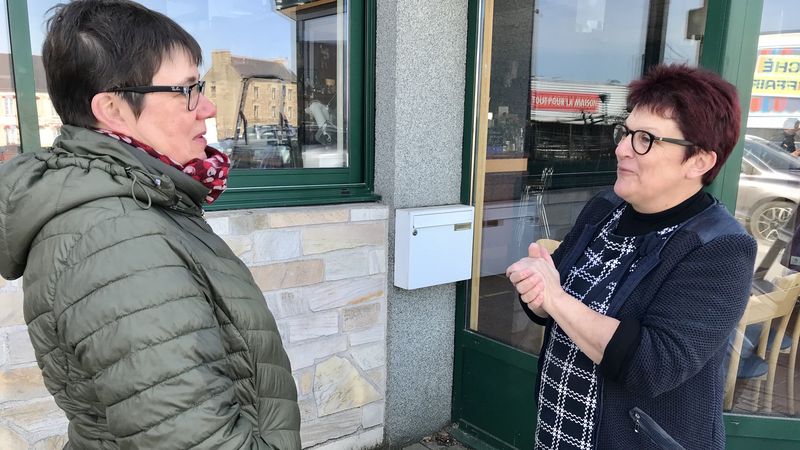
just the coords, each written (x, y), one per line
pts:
(276, 71)
(769, 191)
(9, 138)
(557, 87)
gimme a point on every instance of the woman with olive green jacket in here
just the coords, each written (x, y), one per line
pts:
(149, 331)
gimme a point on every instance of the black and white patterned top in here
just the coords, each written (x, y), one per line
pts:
(568, 396)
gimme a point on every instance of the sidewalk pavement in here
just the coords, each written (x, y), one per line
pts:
(438, 441)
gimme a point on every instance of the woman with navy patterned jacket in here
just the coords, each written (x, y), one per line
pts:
(643, 292)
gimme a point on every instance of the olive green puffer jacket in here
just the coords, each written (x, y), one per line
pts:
(149, 331)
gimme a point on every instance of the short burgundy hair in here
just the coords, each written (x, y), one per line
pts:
(705, 107)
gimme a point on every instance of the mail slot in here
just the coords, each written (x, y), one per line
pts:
(433, 245)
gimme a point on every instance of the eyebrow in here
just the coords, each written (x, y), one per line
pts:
(639, 129)
(188, 80)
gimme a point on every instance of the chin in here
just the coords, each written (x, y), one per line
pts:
(620, 190)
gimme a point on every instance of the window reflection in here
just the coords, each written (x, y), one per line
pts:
(762, 371)
(258, 55)
(558, 85)
(9, 138)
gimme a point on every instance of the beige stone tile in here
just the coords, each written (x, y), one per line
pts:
(338, 386)
(248, 223)
(287, 303)
(51, 443)
(10, 439)
(343, 264)
(287, 275)
(374, 334)
(323, 239)
(366, 214)
(370, 356)
(20, 349)
(3, 349)
(304, 379)
(308, 408)
(301, 217)
(39, 420)
(377, 261)
(360, 317)
(304, 355)
(11, 309)
(335, 294)
(275, 245)
(23, 383)
(241, 246)
(220, 225)
(312, 326)
(363, 440)
(378, 378)
(373, 414)
(334, 426)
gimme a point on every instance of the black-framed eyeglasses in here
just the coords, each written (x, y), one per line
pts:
(192, 91)
(641, 140)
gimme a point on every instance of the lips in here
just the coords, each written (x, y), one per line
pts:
(623, 171)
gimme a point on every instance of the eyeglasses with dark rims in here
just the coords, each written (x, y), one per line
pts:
(641, 140)
(192, 92)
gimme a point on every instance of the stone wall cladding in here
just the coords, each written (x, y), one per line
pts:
(323, 273)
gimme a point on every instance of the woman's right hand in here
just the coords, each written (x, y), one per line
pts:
(528, 281)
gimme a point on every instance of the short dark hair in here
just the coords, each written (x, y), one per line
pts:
(95, 45)
(705, 107)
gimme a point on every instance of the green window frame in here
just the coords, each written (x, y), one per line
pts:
(249, 188)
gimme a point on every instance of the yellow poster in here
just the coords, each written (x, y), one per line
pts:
(777, 76)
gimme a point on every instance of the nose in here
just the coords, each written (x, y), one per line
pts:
(205, 108)
(625, 148)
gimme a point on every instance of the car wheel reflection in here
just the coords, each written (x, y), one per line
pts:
(769, 217)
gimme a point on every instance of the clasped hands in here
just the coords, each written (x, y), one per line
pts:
(536, 279)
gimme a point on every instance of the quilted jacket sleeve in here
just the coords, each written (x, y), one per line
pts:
(692, 314)
(132, 310)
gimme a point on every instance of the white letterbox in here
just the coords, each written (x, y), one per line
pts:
(433, 245)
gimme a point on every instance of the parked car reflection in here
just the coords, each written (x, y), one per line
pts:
(769, 188)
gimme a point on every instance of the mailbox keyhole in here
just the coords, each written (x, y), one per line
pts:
(414, 233)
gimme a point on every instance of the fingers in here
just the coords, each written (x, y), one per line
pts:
(530, 285)
(547, 257)
(535, 250)
(534, 298)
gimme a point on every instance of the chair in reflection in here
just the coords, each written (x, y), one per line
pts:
(792, 362)
(549, 244)
(763, 309)
(536, 191)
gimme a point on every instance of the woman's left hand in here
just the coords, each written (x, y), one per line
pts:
(536, 278)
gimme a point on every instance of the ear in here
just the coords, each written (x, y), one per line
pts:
(112, 112)
(700, 163)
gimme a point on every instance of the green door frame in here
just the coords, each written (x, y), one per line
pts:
(494, 408)
(22, 71)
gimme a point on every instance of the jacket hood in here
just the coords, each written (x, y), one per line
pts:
(82, 166)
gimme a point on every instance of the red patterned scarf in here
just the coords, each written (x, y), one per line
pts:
(212, 172)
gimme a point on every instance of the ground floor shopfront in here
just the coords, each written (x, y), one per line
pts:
(505, 105)
(543, 100)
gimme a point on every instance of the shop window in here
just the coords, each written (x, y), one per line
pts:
(764, 379)
(557, 86)
(8, 106)
(316, 48)
(9, 139)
